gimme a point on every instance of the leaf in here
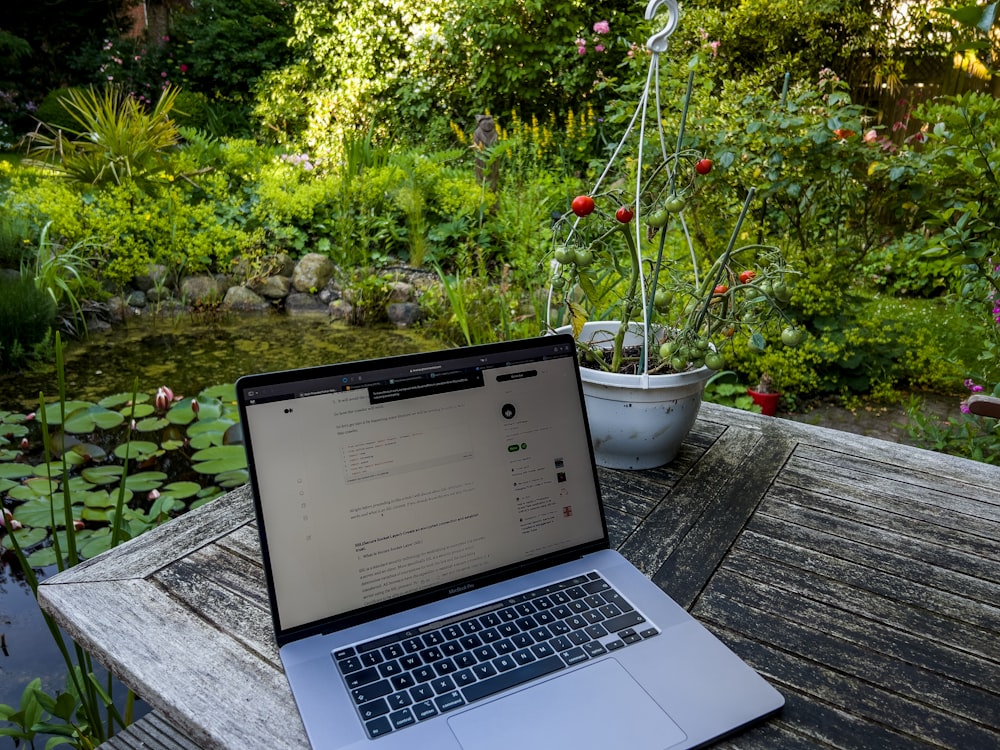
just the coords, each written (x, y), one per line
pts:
(181, 490)
(87, 419)
(102, 474)
(578, 316)
(145, 481)
(220, 458)
(136, 450)
(152, 424)
(15, 471)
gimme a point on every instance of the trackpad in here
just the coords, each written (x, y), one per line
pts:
(594, 708)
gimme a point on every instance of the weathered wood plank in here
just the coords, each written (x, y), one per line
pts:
(974, 648)
(900, 663)
(228, 592)
(158, 632)
(908, 580)
(151, 732)
(139, 557)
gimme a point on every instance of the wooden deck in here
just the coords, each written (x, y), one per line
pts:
(861, 577)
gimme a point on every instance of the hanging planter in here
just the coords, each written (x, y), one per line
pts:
(644, 315)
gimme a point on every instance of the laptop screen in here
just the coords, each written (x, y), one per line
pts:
(379, 481)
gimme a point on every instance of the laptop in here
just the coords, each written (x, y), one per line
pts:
(439, 570)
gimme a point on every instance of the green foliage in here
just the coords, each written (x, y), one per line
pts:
(976, 438)
(57, 270)
(26, 316)
(116, 140)
(15, 238)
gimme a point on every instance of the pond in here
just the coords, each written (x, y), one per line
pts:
(188, 355)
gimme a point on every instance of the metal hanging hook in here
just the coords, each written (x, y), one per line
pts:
(658, 41)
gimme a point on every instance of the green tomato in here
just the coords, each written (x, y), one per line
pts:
(564, 255)
(678, 362)
(558, 282)
(791, 336)
(583, 257)
(661, 300)
(667, 349)
(658, 218)
(715, 361)
(781, 292)
(675, 205)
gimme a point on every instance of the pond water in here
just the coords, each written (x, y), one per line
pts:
(188, 355)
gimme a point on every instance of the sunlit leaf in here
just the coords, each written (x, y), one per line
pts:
(136, 449)
(88, 419)
(151, 424)
(181, 490)
(102, 474)
(145, 481)
(15, 471)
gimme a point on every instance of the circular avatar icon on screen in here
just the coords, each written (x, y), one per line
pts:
(508, 411)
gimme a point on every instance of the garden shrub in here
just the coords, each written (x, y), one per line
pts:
(26, 315)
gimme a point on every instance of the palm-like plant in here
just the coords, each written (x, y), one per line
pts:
(117, 140)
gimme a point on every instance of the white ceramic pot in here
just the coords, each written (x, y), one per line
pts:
(636, 421)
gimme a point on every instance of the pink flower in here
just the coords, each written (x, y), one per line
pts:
(29, 416)
(78, 525)
(602, 27)
(599, 48)
(184, 68)
(581, 50)
(195, 406)
(24, 443)
(964, 407)
(163, 398)
(154, 494)
(581, 42)
(870, 136)
(715, 48)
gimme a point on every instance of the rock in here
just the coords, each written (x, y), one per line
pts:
(136, 299)
(200, 290)
(274, 287)
(340, 309)
(312, 272)
(404, 314)
(154, 278)
(299, 303)
(241, 299)
(330, 292)
(401, 292)
(282, 264)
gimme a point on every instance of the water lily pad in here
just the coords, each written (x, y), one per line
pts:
(34, 489)
(137, 411)
(219, 458)
(37, 513)
(181, 490)
(96, 515)
(120, 399)
(53, 413)
(89, 418)
(51, 470)
(89, 451)
(172, 445)
(182, 413)
(151, 424)
(206, 440)
(98, 499)
(223, 392)
(102, 474)
(13, 430)
(145, 481)
(7, 484)
(16, 471)
(30, 536)
(98, 542)
(233, 479)
(42, 558)
(136, 450)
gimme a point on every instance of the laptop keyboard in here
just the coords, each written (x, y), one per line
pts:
(407, 677)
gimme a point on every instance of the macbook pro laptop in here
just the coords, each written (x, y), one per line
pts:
(439, 569)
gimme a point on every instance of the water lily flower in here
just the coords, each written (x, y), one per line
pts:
(24, 443)
(154, 494)
(29, 416)
(7, 519)
(163, 398)
(195, 406)
(78, 525)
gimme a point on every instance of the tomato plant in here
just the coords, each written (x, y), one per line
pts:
(624, 214)
(583, 205)
(704, 166)
(747, 276)
(791, 336)
(658, 218)
(721, 289)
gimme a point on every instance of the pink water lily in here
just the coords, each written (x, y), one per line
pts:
(164, 397)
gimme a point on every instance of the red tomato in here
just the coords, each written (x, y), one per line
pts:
(747, 276)
(624, 214)
(704, 166)
(583, 205)
(721, 289)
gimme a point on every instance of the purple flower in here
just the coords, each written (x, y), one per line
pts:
(964, 407)
(602, 27)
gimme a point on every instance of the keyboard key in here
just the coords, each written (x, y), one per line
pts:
(401, 719)
(465, 677)
(373, 709)
(614, 645)
(364, 677)
(393, 651)
(613, 597)
(490, 621)
(524, 656)
(451, 648)
(423, 674)
(541, 650)
(465, 660)
(562, 643)
(627, 620)
(452, 632)
(649, 632)
(443, 685)
(490, 636)
(594, 648)
(371, 692)
(574, 656)
(445, 666)
(471, 626)
(411, 661)
(433, 638)
(509, 679)
(422, 692)
(484, 670)
(595, 587)
(389, 668)
(343, 653)
(578, 637)
(430, 655)
(506, 646)
(449, 701)
(424, 710)
(595, 631)
(412, 645)
(378, 727)
(350, 664)
(397, 701)
(371, 658)
(403, 681)
(485, 653)
(470, 642)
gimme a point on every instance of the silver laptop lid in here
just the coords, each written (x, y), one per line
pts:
(383, 484)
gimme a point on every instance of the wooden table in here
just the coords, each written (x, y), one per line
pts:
(861, 577)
